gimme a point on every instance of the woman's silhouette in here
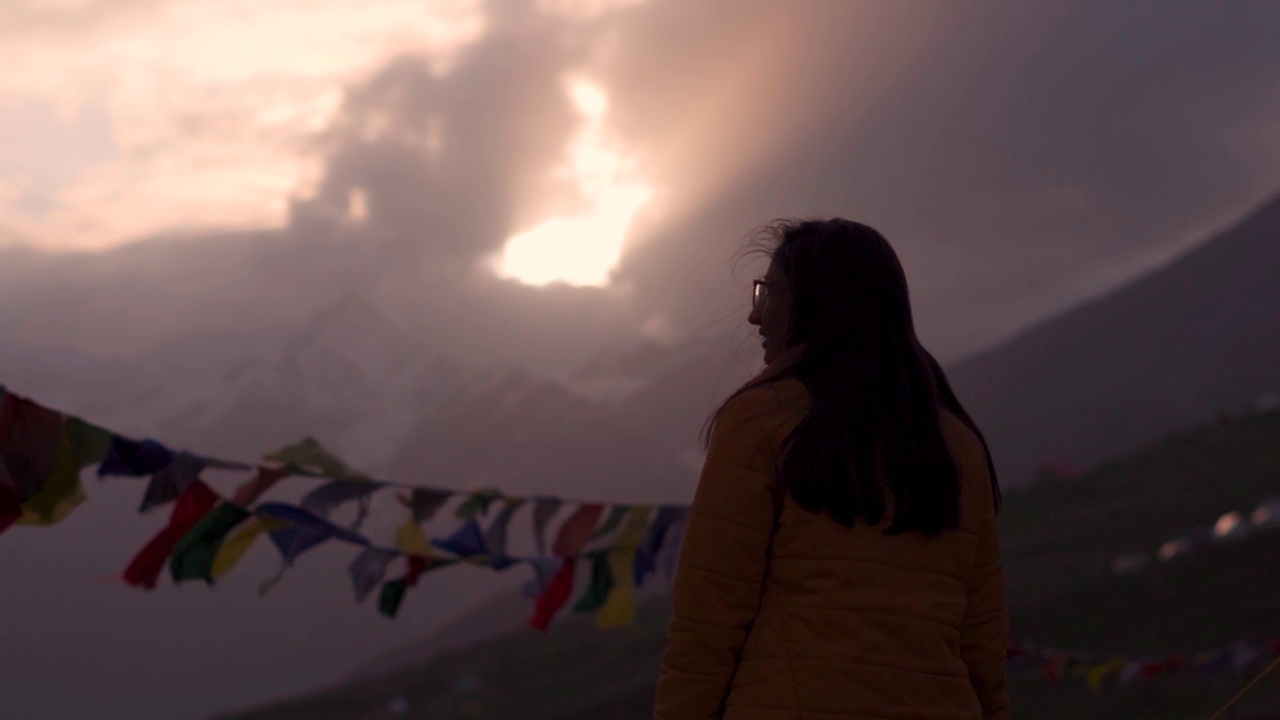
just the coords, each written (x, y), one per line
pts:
(841, 559)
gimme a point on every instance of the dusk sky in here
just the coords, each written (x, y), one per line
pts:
(1020, 156)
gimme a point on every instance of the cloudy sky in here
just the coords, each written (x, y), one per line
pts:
(1020, 156)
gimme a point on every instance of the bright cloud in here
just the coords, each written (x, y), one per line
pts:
(582, 249)
(214, 107)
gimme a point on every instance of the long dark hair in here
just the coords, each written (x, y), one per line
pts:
(873, 433)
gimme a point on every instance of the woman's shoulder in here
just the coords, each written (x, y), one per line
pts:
(774, 396)
(771, 408)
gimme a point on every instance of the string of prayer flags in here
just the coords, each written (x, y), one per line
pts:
(194, 554)
(1057, 665)
(80, 445)
(145, 568)
(43, 452)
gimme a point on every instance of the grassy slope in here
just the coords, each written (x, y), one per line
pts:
(1058, 541)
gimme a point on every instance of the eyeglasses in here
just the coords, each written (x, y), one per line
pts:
(760, 293)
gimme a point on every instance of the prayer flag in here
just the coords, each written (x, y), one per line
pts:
(601, 584)
(235, 547)
(29, 440)
(554, 596)
(335, 493)
(309, 456)
(543, 570)
(410, 540)
(145, 568)
(616, 513)
(134, 458)
(194, 555)
(424, 502)
(248, 492)
(576, 530)
(369, 569)
(476, 504)
(647, 553)
(467, 541)
(81, 445)
(302, 530)
(543, 510)
(10, 506)
(495, 537)
(619, 608)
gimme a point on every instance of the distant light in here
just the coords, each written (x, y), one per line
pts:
(1129, 564)
(1174, 548)
(582, 249)
(1268, 513)
(1227, 525)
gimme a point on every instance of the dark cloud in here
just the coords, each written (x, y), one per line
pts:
(1019, 156)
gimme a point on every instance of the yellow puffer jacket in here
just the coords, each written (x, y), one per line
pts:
(829, 622)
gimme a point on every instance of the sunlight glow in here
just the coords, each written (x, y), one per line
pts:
(581, 250)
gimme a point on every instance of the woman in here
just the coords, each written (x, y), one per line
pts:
(841, 558)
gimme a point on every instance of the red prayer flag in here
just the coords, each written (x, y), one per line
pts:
(10, 507)
(249, 491)
(145, 568)
(577, 530)
(554, 596)
(29, 438)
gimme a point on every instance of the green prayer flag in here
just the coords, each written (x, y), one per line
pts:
(79, 446)
(601, 584)
(310, 456)
(194, 554)
(392, 593)
(478, 503)
(612, 522)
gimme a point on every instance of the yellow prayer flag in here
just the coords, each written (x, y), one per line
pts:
(620, 607)
(1098, 672)
(411, 541)
(633, 528)
(234, 547)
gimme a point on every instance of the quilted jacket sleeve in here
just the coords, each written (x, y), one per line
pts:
(721, 572)
(985, 633)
